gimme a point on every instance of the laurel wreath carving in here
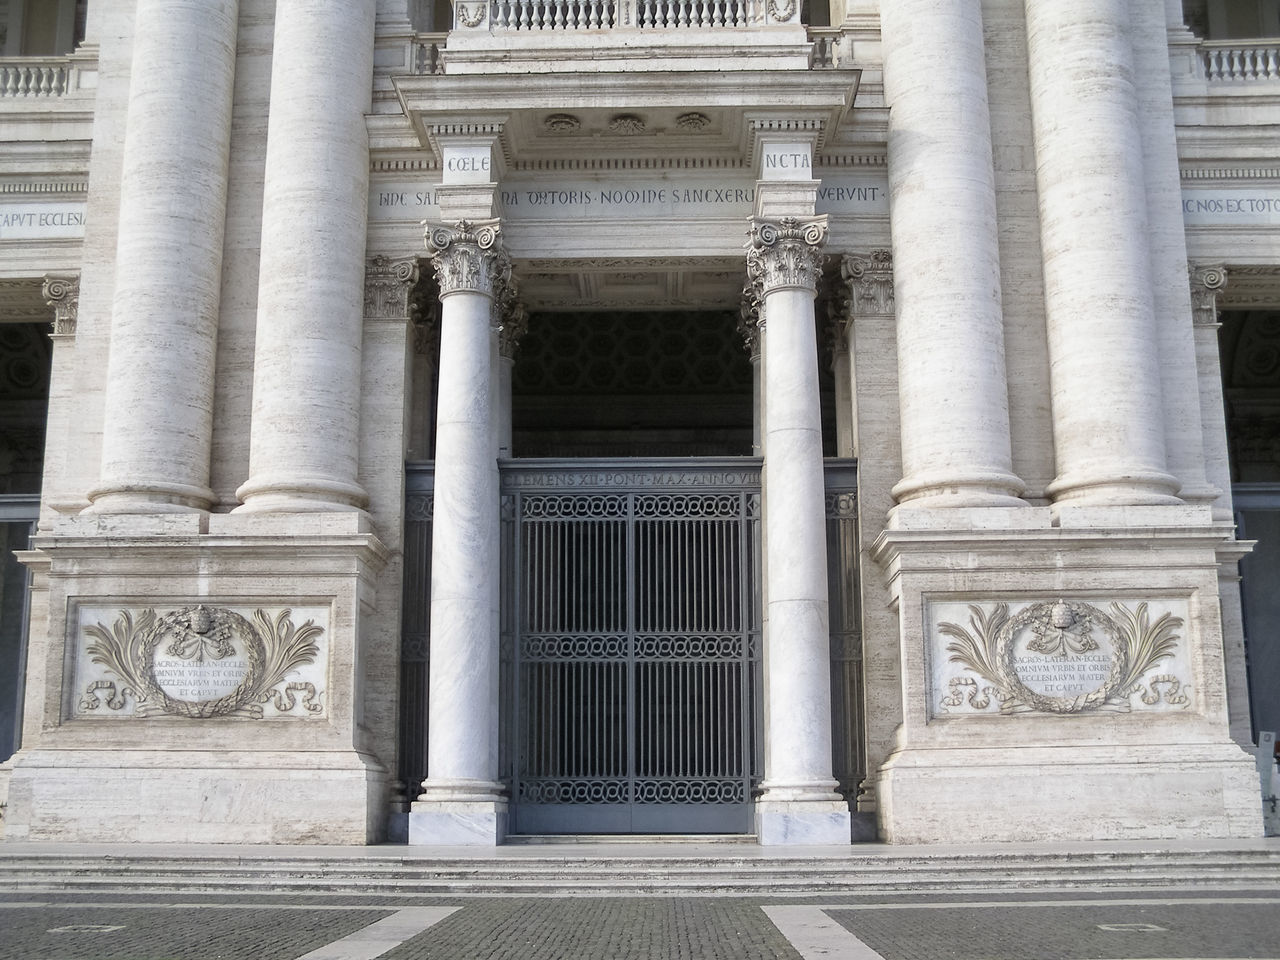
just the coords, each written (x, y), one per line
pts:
(986, 649)
(272, 647)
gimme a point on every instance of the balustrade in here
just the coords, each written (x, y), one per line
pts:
(543, 15)
(43, 77)
(1237, 60)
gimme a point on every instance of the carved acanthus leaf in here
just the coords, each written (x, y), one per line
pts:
(786, 254)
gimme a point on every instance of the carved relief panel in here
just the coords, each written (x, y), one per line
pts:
(1058, 656)
(199, 661)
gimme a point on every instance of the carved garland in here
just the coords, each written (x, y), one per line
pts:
(988, 649)
(200, 634)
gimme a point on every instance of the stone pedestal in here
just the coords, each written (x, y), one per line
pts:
(1062, 683)
(203, 675)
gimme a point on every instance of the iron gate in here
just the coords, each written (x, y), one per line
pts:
(635, 645)
(633, 637)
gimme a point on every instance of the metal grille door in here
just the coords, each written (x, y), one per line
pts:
(636, 645)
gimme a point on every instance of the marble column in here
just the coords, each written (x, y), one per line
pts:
(799, 803)
(1176, 339)
(461, 801)
(951, 371)
(304, 444)
(158, 408)
(1108, 421)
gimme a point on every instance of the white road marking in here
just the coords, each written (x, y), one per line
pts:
(87, 928)
(815, 935)
(381, 935)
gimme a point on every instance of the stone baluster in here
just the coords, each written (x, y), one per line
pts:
(461, 799)
(304, 444)
(951, 371)
(158, 408)
(799, 803)
(1103, 345)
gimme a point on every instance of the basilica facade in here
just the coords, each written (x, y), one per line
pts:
(811, 422)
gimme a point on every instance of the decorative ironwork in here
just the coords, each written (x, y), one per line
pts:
(631, 675)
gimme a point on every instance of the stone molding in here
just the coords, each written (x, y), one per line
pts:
(1207, 281)
(468, 257)
(387, 287)
(62, 292)
(869, 280)
(786, 254)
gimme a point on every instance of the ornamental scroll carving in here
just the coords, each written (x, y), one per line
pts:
(200, 662)
(870, 283)
(1207, 282)
(387, 286)
(468, 257)
(62, 292)
(1058, 656)
(786, 254)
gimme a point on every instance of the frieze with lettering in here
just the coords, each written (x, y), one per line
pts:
(200, 661)
(602, 198)
(1058, 656)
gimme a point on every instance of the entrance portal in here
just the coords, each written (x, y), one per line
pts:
(636, 645)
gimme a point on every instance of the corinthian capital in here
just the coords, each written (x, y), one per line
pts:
(786, 254)
(1207, 281)
(870, 282)
(386, 287)
(62, 292)
(468, 257)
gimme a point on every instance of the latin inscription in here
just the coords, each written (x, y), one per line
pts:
(1065, 676)
(195, 680)
(725, 198)
(1206, 207)
(44, 221)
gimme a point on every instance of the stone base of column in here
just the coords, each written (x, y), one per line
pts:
(113, 795)
(205, 679)
(464, 823)
(1045, 793)
(1062, 682)
(803, 823)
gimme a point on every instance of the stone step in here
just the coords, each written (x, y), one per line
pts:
(566, 873)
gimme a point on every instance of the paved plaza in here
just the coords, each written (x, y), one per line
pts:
(1182, 923)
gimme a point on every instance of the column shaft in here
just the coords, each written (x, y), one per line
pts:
(1105, 379)
(799, 803)
(304, 450)
(159, 399)
(462, 746)
(1171, 297)
(952, 386)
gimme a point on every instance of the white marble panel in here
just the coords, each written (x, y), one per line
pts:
(1059, 655)
(261, 661)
